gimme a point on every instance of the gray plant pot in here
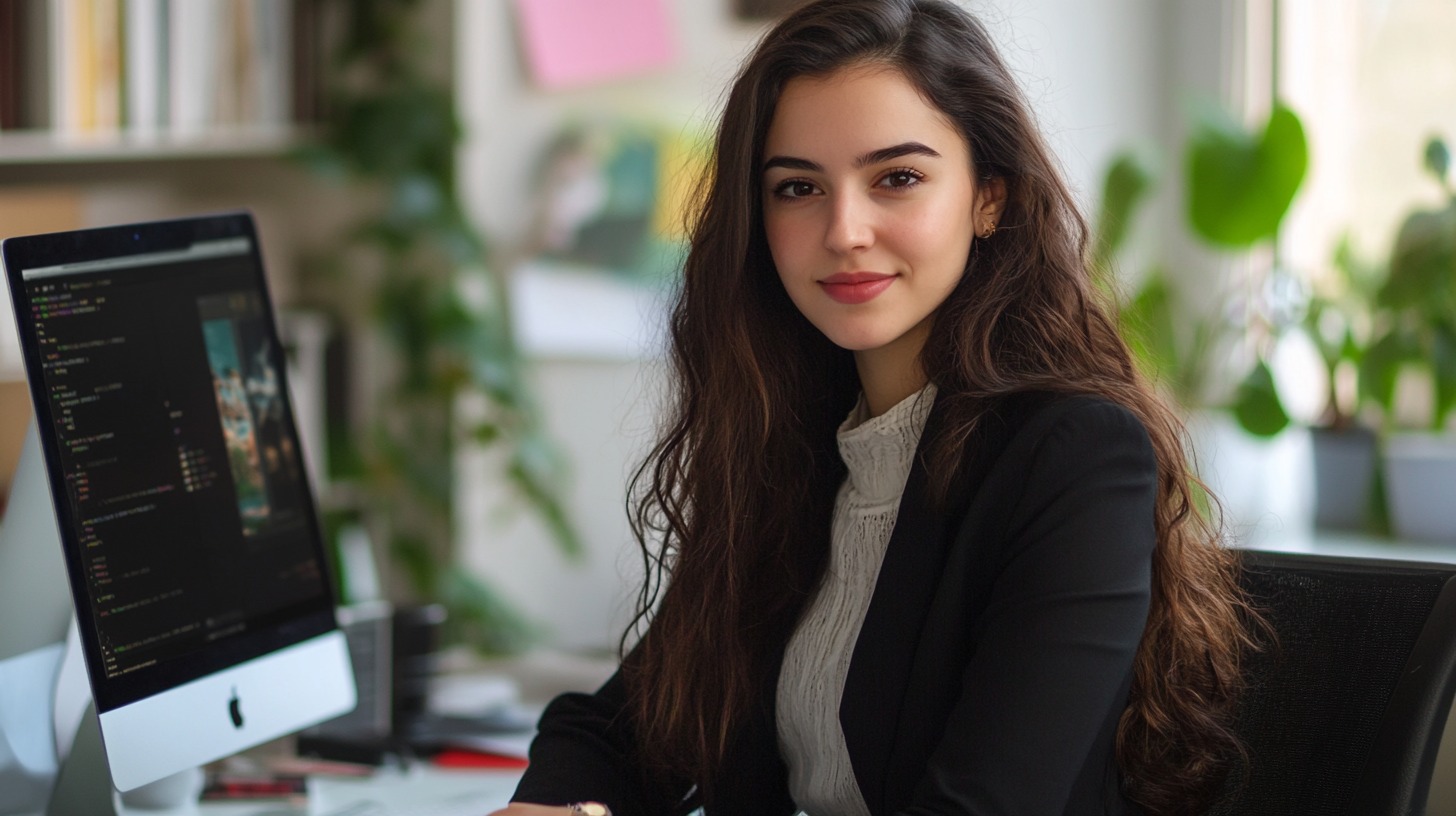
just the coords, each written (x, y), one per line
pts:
(1420, 486)
(1344, 477)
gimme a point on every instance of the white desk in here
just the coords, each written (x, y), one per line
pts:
(474, 792)
(1356, 545)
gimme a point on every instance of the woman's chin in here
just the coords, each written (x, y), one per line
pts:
(857, 342)
(865, 338)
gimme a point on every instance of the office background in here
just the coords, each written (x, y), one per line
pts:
(1102, 77)
(1371, 80)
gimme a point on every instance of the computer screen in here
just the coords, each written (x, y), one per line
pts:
(190, 536)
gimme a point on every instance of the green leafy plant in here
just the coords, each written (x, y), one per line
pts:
(1416, 307)
(413, 271)
(1239, 185)
(1338, 321)
(1170, 349)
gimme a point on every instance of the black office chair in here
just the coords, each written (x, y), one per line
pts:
(1344, 714)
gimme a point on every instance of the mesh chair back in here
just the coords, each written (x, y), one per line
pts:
(1344, 713)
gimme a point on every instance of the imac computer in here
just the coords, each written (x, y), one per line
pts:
(164, 464)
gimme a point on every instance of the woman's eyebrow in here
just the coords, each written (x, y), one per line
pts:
(873, 157)
(885, 154)
(792, 163)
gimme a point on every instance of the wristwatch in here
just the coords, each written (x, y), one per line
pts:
(589, 809)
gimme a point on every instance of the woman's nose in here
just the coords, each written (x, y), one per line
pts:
(850, 227)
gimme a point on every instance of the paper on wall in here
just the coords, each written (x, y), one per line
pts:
(570, 43)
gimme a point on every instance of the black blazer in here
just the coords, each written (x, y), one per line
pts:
(994, 660)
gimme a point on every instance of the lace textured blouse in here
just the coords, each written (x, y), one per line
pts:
(878, 453)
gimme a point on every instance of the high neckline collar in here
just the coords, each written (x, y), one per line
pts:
(878, 451)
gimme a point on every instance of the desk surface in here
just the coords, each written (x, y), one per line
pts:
(421, 789)
(421, 786)
(1358, 545)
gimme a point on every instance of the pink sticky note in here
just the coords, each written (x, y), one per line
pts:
(579, 42)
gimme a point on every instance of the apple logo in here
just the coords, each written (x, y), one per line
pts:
(235, 710)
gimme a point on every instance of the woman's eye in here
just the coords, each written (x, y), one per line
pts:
(900, 179)
(794, 189)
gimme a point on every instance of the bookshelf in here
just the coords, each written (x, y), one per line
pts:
(127, 110)
(41, 147)
(114, 111)
(109, 82)
(138, 71)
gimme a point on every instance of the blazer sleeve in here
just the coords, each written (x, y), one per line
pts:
(583, 752)
(1053, 649)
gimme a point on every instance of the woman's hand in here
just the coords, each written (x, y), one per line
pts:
(523, 809)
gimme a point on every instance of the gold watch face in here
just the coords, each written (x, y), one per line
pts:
(593, 809)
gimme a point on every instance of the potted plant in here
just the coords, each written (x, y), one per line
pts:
(1239, 184)
(1415, 349)
(413, 280)
(1337, 321)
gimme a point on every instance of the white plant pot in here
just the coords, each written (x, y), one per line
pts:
(1420, 486)
(1264, 486)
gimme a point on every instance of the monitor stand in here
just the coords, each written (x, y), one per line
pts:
(84, 783)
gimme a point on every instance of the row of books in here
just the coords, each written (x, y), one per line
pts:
(181, 67)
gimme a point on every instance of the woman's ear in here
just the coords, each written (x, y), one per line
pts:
(990, 202)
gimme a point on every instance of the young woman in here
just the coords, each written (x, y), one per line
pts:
(919, 540)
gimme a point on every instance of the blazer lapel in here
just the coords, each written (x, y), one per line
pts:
(878, 684)
(874, 689)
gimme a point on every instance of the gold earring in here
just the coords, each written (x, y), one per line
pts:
(990, 230)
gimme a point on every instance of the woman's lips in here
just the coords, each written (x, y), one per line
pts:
(856, 287)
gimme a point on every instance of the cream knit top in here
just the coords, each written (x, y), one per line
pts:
(878, 453)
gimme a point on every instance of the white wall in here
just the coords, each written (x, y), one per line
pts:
(1095, 71)
(1092, 71)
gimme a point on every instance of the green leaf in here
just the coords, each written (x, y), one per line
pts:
(1240, 184)
(1443, 370)
(546, 503)
(1126, 185)
(1423, 264)
(485, 433)
(481, 617)
(1381, 366)
(1148, 327)
(1360, 280)
(414, 555)
(322, 161)
(1351, 350)
(1257, 406)
(1438, 158)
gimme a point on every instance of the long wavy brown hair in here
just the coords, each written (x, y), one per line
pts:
(732, 506)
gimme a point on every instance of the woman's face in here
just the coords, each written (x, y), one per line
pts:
(870, 206)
